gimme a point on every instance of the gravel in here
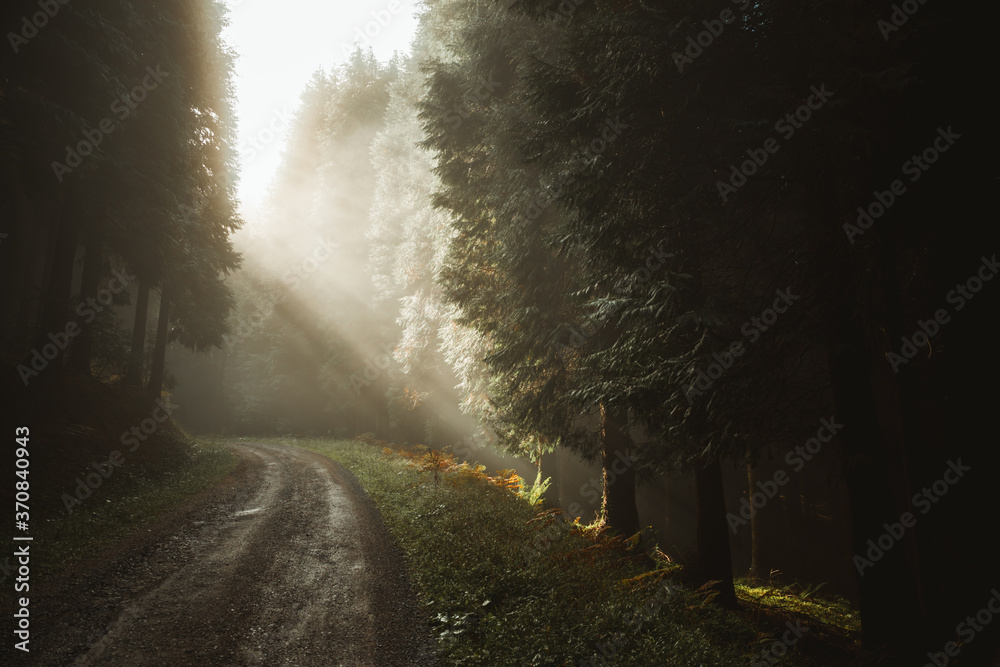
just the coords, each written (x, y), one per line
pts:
(286, 562)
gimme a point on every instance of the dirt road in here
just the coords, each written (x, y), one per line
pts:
(286, 563)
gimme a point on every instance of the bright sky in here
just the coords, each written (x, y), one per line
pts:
(280, 45)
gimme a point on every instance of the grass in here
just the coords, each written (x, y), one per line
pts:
(502, 581)
(833, 621)
(77, 422)
(132, 497)
(505, 583)
(835, 613)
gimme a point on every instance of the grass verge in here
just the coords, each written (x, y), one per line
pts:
(504, 583)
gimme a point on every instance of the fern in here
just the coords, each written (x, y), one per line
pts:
(535, 493)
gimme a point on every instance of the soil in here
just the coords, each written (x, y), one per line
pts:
(286, 562)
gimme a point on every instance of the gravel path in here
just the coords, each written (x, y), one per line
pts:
(285, 563)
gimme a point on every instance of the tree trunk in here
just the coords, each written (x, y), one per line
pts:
(889, 605)
(618, 507)
(136, 362)
(41, 233)
(754, 542)
(157, 371)
(550, 466)
(82, 350)
(55, 314)
(714, 557)
(26, 229)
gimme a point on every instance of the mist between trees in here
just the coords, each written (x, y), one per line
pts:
(562, 230)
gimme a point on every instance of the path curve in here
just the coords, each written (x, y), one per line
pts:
(286, 563)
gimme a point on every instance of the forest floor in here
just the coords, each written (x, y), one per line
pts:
(505, 582)
(303, 551)
(284, 562)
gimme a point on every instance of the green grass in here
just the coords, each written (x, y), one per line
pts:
(130, 499)
(502, 582)
(834, 623)
(497, 592)
(836, 613)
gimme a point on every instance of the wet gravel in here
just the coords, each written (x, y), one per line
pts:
(286, 562)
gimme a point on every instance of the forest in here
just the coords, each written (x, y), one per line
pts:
(709, 284)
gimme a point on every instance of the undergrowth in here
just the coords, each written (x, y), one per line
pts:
(506, 583)
(135, 496)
